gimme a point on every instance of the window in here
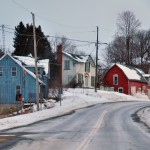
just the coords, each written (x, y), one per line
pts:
(38, 71)
(115, 79)
(18, 93)
(80, 78)
(120, 90)
(18, 89)
(87, 67)
(92, 80)
(66, 64)
(1, 71)
(13, 71)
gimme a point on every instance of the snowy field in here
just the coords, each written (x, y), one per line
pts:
(71, 99)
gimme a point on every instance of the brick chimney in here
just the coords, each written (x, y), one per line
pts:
(59, 61)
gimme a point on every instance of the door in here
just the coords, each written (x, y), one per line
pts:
(133, 90)
(86, 81)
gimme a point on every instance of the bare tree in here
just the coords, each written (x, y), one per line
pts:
(141, 40)
(67, 45)
(115, 52)
(127, 26)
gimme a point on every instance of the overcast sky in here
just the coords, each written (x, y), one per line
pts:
(76, 19)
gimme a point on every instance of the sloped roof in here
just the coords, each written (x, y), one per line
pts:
(132, 73)
(25, 69)
(30, 61)
(78, 58)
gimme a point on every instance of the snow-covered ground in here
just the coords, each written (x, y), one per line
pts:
(144, 115)
(71, 99)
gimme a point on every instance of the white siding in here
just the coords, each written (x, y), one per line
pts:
(75, 69)
(67, 73)
(80, 68)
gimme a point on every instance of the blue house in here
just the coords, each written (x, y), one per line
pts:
(17, 77)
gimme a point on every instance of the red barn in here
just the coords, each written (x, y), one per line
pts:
(126, 79)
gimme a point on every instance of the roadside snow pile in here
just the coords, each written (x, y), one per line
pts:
(141, 95)
(105, 96)
(144, 115)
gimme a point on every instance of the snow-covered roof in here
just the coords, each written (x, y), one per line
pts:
(132, 73)
(25, 69)
(30, 61)
(78, 58)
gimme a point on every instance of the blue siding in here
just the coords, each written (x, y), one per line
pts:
(30, 68)
(41, 69)
(8, 83)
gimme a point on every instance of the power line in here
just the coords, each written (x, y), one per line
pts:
(21, 6)
(10, 28)
(57, 37)
(73, 39)
(54, 22)
(60, 24)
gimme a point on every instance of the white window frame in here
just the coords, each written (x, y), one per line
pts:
(114, 76)
(1, 71)
(120, 88)
(13, 71)
(66, 64)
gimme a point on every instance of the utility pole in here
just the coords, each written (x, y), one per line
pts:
(36, 68)
(96, 60)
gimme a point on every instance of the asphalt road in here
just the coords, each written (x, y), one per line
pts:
(110, 126)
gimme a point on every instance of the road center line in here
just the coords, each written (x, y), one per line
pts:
(93, 131)
(5, 135)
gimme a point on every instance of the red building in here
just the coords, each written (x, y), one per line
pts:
(126, 79)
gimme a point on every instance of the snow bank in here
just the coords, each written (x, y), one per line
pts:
(144, 115)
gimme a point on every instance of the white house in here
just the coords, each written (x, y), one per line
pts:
(78, 68)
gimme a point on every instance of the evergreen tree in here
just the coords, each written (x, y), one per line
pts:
(19, 40)
(24, 45)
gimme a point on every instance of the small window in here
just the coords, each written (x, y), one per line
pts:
(87, 67)
(120, 90)
(1, 71)
(115, 79)
(13, 71)
(92, 80)
(38, 71)
(18, 89)
(66, 64)
(80, 78)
